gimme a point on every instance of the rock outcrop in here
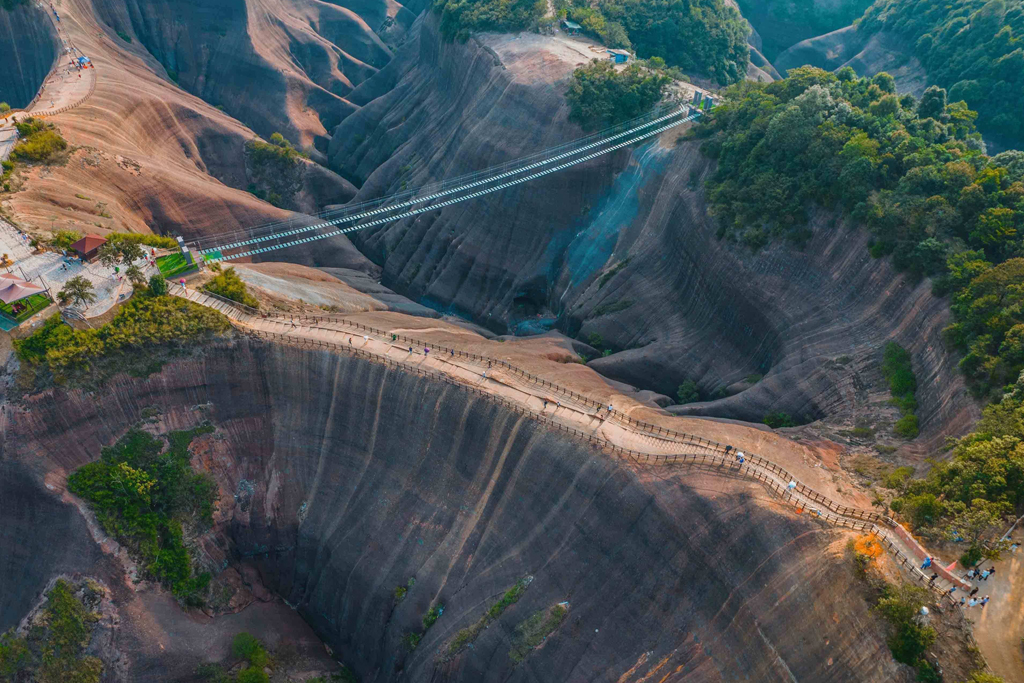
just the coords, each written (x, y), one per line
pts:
(148, 156)
(31, 47)
(277, 65)
(349, 479)
(865, 54)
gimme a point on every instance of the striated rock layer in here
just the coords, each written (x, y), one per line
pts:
(623, 247)
(32, 48)
(349, 479)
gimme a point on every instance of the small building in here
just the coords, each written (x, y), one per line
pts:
(619, 56)
(88, 248)
(571, 27)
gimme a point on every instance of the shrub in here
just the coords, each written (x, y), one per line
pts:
(908, 639)
(778, 420)
(158, 241)
(228, 285)
(906, 426)
(39, 142)
(63, 239)
(252, 675)
(972, 556)
(535, 630)
(246, 646)
(124, 36)
(431, 616)
(141, 324)
(688, 392)
(469, 634)
(54, 648)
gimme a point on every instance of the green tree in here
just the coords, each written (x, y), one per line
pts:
(900, 606)
(135, 275)
(5, 108)
(933, 103)
(688, 392)
(599, 95)
(77, 291)
(157, 285)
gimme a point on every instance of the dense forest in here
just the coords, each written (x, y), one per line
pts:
(911, 171)
(972, 47)
(705, 36)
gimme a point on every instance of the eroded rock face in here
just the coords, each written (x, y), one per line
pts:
(31, 48)
(278, 66)
(349, 479)
(623, 247)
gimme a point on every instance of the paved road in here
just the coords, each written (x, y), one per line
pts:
(8, 136)
(1000, 625)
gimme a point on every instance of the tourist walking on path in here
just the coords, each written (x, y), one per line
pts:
(927, 562)
(974, 592)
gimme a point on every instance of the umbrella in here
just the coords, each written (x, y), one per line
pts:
(13, 288)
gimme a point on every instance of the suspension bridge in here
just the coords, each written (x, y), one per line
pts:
(401, 205)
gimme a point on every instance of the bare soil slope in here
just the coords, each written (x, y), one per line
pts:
(146, 155)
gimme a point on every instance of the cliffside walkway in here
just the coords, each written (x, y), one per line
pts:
(569, 411)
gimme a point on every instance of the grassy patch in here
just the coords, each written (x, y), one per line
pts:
(53, 649)
(124, 36)
(603, 280)
(614, 307)
(531, 633)
(174, 264)
(899, 374)
(148, 498)
(26, 308)
(142, 325)
(469, 634)
(412, 639)
(40, 142)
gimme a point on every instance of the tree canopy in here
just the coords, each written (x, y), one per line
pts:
(707, 36)
(599, 95)
(972, 47)
(912, 172)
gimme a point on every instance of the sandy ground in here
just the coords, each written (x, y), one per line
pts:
(999, 627)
